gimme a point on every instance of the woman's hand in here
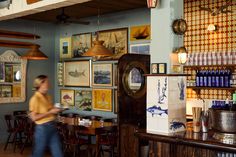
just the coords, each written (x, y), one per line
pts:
(55, 110)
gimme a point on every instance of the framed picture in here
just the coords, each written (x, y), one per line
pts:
(81, 43)
(2, 72)
(140, 48)
(116, 40)
(8, 73)
(154, 68)
(16, 90)
(65, 47)
(102, 99)
(102, 74)
(17, 73)
(161, 68)
(83, 100)
(77, 73)
(6, 90)
(67, 97)
(115, 101)
(140, 33)
(60, 73)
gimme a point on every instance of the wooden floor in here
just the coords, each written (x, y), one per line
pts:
(9, 152)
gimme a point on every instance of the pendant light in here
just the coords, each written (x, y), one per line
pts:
(34, 54)
(98, 50)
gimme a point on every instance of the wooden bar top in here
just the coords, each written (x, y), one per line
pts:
(188, 137)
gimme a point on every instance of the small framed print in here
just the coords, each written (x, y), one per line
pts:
(161, 68)
(65, 48)
(67, 97)
(154, 68)
(102, 74)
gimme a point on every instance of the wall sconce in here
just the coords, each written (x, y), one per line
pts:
(182, 55)
(152, 3)
(212, 27)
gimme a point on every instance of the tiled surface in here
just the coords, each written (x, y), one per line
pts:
(198, 40)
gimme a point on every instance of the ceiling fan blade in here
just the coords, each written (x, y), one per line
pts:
(79, 22)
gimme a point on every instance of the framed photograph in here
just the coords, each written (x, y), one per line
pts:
(16, 90)
(83, 100)
(65, 47)
(102, 99)
(81, 43)
(140, 33)
(60, 73)
(77, 73)
(161, 68)
(116, 105)
(8, 73)
(2, 72)
(116, 40)
(17, 73)
(102, 74)
(140, 48)
(154, 69)
(67, 97)
(6, 91)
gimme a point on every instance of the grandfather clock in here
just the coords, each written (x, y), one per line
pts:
(131, 100)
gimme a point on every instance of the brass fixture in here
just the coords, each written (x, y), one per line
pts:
(98, 50)
(182, 55)
(34, 54)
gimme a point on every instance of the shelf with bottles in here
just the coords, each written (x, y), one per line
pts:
(220, 66)
(220, 88)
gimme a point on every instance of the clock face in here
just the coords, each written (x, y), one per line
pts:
(179, 26)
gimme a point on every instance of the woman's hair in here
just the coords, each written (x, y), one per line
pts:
(39, 80)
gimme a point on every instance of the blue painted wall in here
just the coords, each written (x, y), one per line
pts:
(109, 21)
(49, 41)
(34, 68)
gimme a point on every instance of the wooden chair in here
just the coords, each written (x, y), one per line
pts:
(9, 119)
(93, 117)
(19, 112)
(71, 140)
(107, 140)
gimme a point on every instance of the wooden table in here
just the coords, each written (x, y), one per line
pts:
(91, 129)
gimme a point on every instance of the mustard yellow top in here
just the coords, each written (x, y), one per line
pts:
(41, 104)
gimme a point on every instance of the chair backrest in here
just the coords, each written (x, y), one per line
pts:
(20, 112)
(108, 134)
(93, 117)
(9, 121)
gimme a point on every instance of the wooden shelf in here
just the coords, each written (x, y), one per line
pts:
(218, 88)
(202, 66)
(21, 35)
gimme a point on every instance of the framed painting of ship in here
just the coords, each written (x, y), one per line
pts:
(116, 40)
(81, 43)
(77, 73)
(140, 33)
(83, 100)
(67, 97)
(102, 74)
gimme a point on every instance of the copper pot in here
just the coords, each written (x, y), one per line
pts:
(223, 120)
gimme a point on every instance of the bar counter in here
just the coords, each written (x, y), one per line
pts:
(186, 144)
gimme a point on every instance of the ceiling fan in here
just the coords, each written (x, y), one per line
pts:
(216, 11)
(66, 19)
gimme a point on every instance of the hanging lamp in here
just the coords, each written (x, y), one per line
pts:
(34, 54)
(98, 50)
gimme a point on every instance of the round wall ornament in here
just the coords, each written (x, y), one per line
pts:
(179, 26)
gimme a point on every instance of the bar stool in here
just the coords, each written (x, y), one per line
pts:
(9, 119)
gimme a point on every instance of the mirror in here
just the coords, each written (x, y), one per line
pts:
(12, 77)
(133, 80)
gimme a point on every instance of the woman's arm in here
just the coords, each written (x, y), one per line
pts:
(37, 116)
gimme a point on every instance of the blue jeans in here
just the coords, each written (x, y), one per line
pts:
(46, 135)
